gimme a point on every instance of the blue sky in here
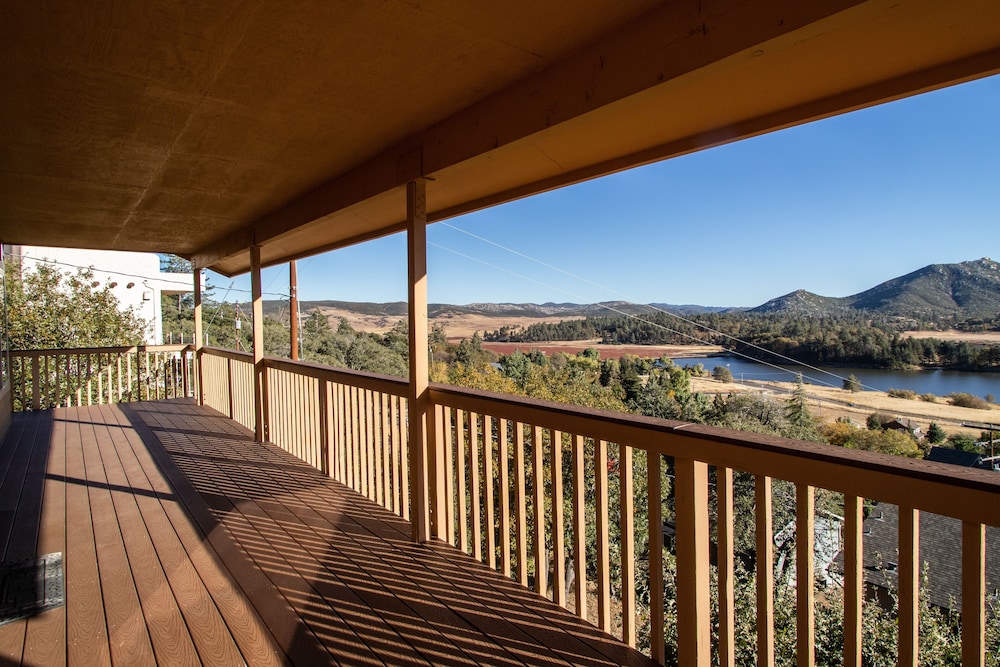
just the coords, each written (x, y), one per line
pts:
(833, 207)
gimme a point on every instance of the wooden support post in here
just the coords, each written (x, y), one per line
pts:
(973, 594)
(726, 559)
(293, 309)
(765, 569)
(654, 486)
(805, 508)
(424, 508)
(693, 612)
(909, 586)
(199, 338)
(260, 428)
(853, 580)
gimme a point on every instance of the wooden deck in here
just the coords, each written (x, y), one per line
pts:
(185, 542)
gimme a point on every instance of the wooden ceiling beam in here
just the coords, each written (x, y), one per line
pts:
(674, 40)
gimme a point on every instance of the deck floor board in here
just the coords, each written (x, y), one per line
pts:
(186, 542)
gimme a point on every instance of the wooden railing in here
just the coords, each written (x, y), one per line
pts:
(537, 489)
(42, 379)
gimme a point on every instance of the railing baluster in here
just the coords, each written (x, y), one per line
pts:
(558, 523)
(627, 518)
(490, 497)
(579, 527)
(324, 426)
(460, 490)
(805, 507)
(504, 498)
(36, 402)
(973, 594)
(449, 476)
(727, 575)
(520, 489)
(654, 494)
(371, 444)
(765, 569)
(603, 560)
(404, 437)
(399, 459)
(909, 584)
(538, 511)
(474, 482)
(853, 579)
(385, 437)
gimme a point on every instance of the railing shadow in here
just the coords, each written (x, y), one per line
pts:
(347, 567)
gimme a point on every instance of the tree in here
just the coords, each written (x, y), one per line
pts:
(796, 410)
(47, 309)
(935, 434)
(852, 383)
(722, 374)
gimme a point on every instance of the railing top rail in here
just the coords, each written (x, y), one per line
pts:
(121, 349)
(965, 493)
(228, 354)
(384, 383)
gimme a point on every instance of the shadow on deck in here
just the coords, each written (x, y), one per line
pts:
(186, 542)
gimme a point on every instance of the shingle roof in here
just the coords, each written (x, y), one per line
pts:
(940, 554)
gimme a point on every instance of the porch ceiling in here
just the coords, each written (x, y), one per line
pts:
(200, 127)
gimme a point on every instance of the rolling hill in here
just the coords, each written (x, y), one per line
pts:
(965, 290)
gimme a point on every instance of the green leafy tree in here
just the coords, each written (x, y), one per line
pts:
(935, 434)
(852, 383)
(797, 410)
(49, 309)
(722, 374)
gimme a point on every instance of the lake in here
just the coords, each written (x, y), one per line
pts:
(936, 381)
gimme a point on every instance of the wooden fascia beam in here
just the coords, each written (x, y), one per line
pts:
(675, 39)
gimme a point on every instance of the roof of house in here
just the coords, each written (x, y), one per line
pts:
(956, 457)
(940, 554)
(202, 128)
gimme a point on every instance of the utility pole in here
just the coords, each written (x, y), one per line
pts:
(293, 307)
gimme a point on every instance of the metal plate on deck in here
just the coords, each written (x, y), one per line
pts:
(29, 587)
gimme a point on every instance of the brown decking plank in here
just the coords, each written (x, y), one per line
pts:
(351, 603)
(578, 645)
(475, 612)
(360, 554)
(301, 648)
(86, 628)
(22, 464)
(45, 639)
(246, 634)
(258, 528)
(452, 627)
(168, 633)
(22, 430)
(128, 637)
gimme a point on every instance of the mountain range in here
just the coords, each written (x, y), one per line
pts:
(963, 291)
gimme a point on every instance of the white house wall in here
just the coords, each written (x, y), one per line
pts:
(134, 277)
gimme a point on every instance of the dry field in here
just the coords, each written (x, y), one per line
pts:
(829, 403)
(457, 325)
(606, 351)
(979, 337)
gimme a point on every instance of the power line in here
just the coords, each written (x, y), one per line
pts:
(95, 269)
(636, 317)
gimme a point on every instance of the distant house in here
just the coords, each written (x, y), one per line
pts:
(957, 457)
(906, 426)
(134, 278)
(940, 555)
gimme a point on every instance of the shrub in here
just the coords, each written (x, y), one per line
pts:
(964, 400)
(722, 374)
(903, 393)
(928, 398)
